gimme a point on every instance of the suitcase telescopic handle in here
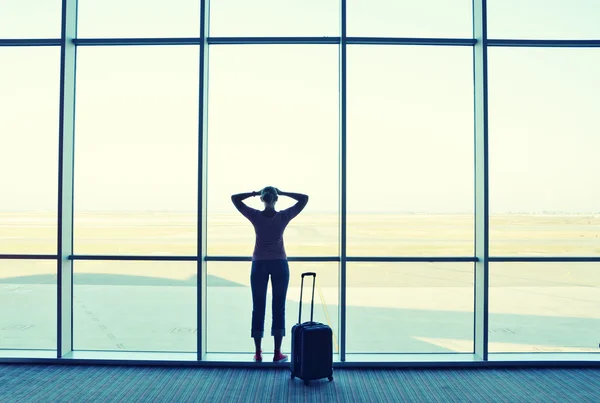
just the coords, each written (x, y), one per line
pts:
(312, 301)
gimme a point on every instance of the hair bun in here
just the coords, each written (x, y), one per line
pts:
(268, 197)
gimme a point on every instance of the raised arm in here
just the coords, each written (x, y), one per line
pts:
(299, 206)
(238, 201)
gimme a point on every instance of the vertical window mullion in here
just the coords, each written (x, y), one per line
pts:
(201, 288)
(481, 179)
(342, 172)
(65, 179)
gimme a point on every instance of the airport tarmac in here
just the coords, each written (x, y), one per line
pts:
(379, 319)
(391, 307)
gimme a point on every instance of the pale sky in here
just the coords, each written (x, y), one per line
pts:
(273, 109)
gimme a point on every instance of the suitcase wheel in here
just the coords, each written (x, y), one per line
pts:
(292, 376)
(306, 382)
(330, 377)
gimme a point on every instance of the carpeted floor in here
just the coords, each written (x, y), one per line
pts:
(57, 383)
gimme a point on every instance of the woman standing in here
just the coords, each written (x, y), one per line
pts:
(269, 259)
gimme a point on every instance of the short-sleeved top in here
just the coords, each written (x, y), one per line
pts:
(269, 231)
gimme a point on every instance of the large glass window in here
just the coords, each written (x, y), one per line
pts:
(136, 155)
(273, 118)
(409, 18)
(409, 307)
(138, 18)
(544, 307)
(274, 18)
(29, 98)
(273, 121)
(229, 300)
(134, 306)
(410, 151)
(543, 19)
(544, 158)
(28, 300)
(30, 19)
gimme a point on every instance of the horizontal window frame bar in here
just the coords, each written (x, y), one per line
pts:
(135, 41)
(545, 43)
(31, 42)
(281, 40)
(27, 257)
(375, 259)
(411, 41)
(327, 40)
(159, 258)
(196, 258)
(415, 259)
(290, 259)
(548, 259)
(211, 41)
(383, 360)
(276, 40)
(356, 259)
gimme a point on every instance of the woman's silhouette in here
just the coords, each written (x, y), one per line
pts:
(269, 259)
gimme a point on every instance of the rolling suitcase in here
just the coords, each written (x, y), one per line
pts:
(312, 345)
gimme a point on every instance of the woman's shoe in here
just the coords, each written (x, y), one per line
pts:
(258, 356)
(278, 357)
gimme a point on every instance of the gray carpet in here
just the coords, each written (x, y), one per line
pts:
(57, 383)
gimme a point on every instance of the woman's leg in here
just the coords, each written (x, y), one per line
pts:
(280, 278)
(257, 344)
(259, 280)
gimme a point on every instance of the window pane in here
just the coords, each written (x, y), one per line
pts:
(29, 97)
(273, 121)
(543, 19)
(409, 18)
(136, 153)
(410, 307)
(544, 307)
(28, 300)
(138, 18)
(410, 151)
(544, 152)
(274, 18)
(134, 306)
(230, 296)
(30, 19)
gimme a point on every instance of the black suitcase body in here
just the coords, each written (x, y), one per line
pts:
(312, 345)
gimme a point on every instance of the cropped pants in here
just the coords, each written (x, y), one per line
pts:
(279, 272)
